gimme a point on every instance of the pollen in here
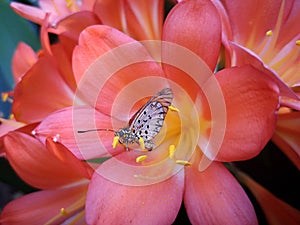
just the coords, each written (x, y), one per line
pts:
(115, 141)
(141, 158)
(63, 211)
(11, 116)
(172, 108)
(183, 162)
(171, 151)
(142, 143)
(298, 42)
(269, 33)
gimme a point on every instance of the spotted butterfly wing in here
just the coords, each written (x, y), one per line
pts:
(148, 121)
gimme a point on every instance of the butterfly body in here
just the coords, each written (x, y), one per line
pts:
(148, 121)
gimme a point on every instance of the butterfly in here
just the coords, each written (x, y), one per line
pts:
(146, 123)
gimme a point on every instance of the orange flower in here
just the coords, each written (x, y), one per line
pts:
(223, 117)
(114, 75)
(270, 44)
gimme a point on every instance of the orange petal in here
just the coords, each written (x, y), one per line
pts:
(36, 95)
(196, 26)
(245, 22)
(36, 165)
(24, 58)
(251, 106)
(214, 196)
(135, 18)
(287, 136)
(275, 210)
(39, 207)
(153, 204)
(245, 57)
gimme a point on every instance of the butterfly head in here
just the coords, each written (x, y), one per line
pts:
(126, 136)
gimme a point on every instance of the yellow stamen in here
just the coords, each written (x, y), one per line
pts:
(269, 33)
(171, 151)
(63, 211)
(11, 116)
(183, 162)
(298, 42)
(141, 158)
(115, 141)
(69, 3)
(172, 108)
(142, 143)
(4, 96)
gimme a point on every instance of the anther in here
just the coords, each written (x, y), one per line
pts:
(171, 151)
(115, 141)
(142, 143)
(63, 212)
(183, 162)
(141, 158)
(172, 108)
(11, 116)
(4, 96)
(269, 33)
(69, 3)
(298, 42)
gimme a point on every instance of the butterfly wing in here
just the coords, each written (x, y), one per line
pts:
(148, 121)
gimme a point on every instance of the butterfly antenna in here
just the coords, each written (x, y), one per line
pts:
(85, 131)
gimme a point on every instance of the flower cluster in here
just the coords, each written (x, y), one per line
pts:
(74, 100)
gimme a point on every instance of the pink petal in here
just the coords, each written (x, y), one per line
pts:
(64, 125)
(27, 156)
(39, 207)
(287, 135)
(215, 197)
(252, 101)
(196, 26)
(41, 91)
(31, 13)
(275, 210)
(245, 57)
(9, 125)
(88, 51)
(110, 66)
(24, 58)
(154, 204)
